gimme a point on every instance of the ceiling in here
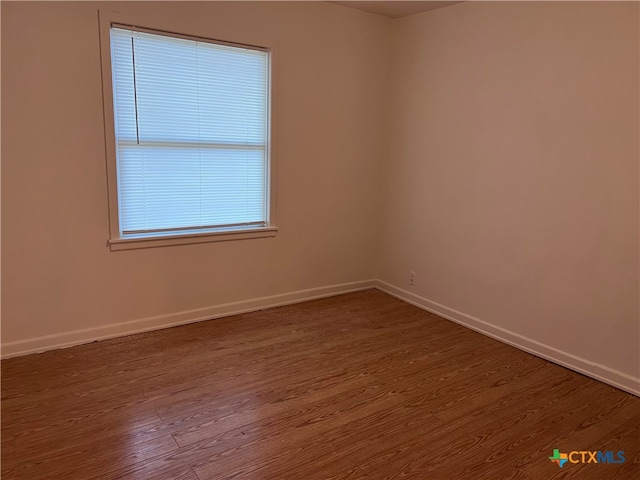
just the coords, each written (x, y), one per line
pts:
(395, 9)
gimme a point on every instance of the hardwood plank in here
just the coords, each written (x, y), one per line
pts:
(85, 460)
(467, 435)
(137, 427)
(349, 387)
(625, 437)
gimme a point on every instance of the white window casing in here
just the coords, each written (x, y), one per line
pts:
(188, 137)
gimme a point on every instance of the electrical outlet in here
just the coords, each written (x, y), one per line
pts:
(412, 278)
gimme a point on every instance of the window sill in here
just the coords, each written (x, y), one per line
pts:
(116, 244)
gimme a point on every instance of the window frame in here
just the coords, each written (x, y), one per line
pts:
(116, 241)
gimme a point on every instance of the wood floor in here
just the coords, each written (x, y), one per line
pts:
(356, 386)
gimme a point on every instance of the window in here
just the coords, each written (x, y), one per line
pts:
(190, 139)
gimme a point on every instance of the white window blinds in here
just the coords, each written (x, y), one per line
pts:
(191, 134)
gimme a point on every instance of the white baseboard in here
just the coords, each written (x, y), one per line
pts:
(67, 339)
(76, 337)
(599, 372)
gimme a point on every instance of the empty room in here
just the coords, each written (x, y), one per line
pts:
(320, 240)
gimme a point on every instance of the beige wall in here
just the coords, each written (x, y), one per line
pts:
(500, 164)
(58, 274)
(512, 173)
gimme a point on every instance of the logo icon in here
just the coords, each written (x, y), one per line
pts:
(580, 456)
(559, 458)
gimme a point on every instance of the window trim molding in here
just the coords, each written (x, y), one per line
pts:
(191, 238)
(109, 18)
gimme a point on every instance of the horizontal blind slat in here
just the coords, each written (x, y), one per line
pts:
(191, 122)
